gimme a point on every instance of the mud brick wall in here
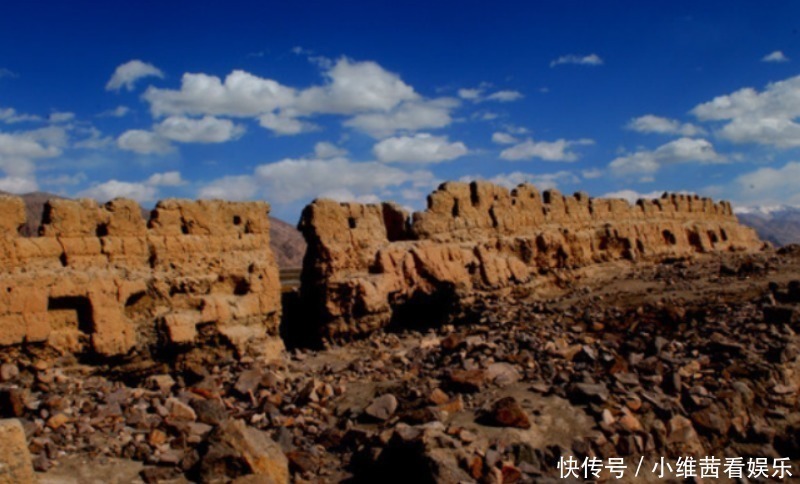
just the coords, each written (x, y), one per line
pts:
(101, 279)
(365, 263)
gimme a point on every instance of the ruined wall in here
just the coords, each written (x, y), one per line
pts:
(100, 279)
(369, 263)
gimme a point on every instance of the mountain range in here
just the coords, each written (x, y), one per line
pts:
(779, 224)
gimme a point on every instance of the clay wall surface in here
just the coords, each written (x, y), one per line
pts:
(366, 263)
(100, 279)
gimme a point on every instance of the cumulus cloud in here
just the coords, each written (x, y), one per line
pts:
(478, 95)
(408, 117)
(632, 196)
(470, 94)
(541, 181)
(545, 150)
(143, 191)
(354, 87)
(420, 148)
(586, 60)
(281, 124)
(143, 142)
(682, 150)
(350, 88)
(324, 149)
(504, 138)
(301, 179)
(767, 117)
(241, 94)
(20, 151)
(61, 117)
(767, 186)
(11, 116)
(166, 179)
(128, 73)
(650, 123)
(236, 188)
(296, 179)
(18, 185)
(112, 189)
(207, 129)
(776, 56)
(504, 96)
(117, 112)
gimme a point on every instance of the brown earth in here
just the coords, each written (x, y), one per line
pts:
(689, 357)
(479, 341)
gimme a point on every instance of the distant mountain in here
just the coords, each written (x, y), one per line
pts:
(779, 224)
(286, 241)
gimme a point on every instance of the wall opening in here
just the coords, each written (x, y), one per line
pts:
(72, 310)
(669, 237)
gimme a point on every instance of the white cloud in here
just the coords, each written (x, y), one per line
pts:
(117, 112)
(19, 151)
(18, 185)
(166, 179)
(65, 180)
(235, 188)
(592, 173)
(241, 94)
(586, 60)
(767, 117)
(112, 189)
(542, 181)
(408, 117)
(420, 148)
(61, 117)
(633, 196)
(143, 142)
(505, 96)
(504, 139)
(284, 125)
(94, 140)
(682, 150)
(297, 179)
(470, 94)
(7, 73)
(11, 116)
(205, 130)
(343, 195)
(143, 192)
(776, 56)
(546, 150)
(355, 87)
(324, 149)
(650, 123)
(768, 186)
(128, 73)
(476, 95)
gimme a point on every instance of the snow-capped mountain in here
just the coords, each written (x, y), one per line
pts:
(779, 224)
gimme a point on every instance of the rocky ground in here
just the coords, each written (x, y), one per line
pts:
(682, 358)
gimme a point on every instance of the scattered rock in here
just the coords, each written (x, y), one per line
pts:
(382, 407)
(507, 412)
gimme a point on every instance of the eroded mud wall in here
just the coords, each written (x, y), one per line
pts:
(367, 262)
(100, 279)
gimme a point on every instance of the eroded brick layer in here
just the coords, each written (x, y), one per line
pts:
(100, 279)
(368, 264)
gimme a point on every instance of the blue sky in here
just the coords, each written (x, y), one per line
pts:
(381, 101)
